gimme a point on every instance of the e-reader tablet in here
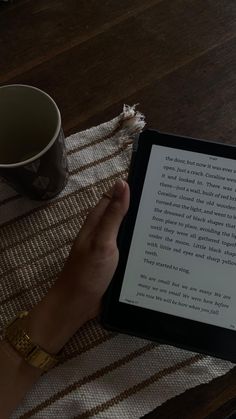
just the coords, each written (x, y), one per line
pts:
(176, 278)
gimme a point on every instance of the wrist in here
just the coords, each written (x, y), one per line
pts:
(54, 320)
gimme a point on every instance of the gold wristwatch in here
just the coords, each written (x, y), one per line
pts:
(18, 338)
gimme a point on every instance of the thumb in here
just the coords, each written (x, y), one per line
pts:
(108, 227)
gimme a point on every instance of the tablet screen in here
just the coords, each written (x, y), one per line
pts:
(182, 258)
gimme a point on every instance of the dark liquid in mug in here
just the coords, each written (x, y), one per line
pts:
(11, 155)
(28, 122)
(19, 142)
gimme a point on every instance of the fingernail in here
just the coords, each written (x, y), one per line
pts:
(118, 189)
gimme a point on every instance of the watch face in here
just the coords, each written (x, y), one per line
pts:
(41, 359)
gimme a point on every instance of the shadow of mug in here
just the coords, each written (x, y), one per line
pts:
(32, 149)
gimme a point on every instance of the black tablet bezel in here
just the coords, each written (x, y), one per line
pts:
(142, 322)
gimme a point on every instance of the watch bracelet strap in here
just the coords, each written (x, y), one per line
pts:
(33, 354)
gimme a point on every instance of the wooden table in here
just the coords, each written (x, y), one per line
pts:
(176, 58)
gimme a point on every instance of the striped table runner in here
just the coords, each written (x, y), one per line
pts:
(103, 375)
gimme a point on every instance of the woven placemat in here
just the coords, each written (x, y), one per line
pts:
(104, 375)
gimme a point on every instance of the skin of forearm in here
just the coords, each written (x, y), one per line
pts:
(16, 378)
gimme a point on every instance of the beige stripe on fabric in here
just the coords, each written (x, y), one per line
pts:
(101, 160)
(105, 336)
(122, 361)
(137, 388)
(86, 339)
(106, 137)
(138, 404)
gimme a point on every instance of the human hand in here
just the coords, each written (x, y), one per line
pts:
(94, 255)
(76, 296)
